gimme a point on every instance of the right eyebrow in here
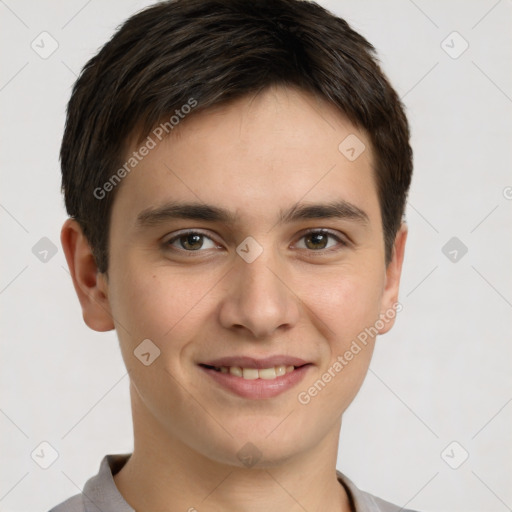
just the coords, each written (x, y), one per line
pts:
(196, 211)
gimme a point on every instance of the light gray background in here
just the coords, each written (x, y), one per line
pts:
(442, 374)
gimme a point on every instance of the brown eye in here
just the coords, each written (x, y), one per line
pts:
(316, 241)
(191, 241)
(320, 240)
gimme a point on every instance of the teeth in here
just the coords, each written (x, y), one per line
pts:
(250, 373)
(254, 373)
(280, 370)
(267, 373)
(235, 370)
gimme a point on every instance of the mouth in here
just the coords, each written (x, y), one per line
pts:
(253, 373)
(256, 378)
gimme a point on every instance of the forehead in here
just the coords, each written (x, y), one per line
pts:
(257, 154)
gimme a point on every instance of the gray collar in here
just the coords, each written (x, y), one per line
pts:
(101, 494)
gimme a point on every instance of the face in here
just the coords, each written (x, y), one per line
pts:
(249, 250)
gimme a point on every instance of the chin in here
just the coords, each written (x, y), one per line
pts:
(260, 448)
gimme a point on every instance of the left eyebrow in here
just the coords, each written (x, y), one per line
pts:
(336, 210)
(199, 211)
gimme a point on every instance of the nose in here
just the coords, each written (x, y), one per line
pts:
(258, 300)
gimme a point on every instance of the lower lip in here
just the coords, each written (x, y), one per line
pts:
(257, 388)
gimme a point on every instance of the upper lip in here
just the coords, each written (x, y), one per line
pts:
(259, 363)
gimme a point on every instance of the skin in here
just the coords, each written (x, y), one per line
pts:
(255, 157)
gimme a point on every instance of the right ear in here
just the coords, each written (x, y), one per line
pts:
(91, 286)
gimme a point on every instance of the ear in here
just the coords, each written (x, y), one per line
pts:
(90, 285)
(390, 305)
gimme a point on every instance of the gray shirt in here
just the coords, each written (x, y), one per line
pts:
(100, 493)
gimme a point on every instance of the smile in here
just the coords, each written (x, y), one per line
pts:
(254, 373)
(256, 378)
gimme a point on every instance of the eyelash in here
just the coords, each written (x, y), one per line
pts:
(341, 242)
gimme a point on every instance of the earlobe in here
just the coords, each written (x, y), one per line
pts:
(390, 303)
(90, 285)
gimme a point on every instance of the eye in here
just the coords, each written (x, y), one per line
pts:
(191, 241)
(318, 240)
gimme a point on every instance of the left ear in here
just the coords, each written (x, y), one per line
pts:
(393, 273)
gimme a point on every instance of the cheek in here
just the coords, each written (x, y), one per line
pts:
(348, 306)
(346, 302)
(167, 310)
(156, 304)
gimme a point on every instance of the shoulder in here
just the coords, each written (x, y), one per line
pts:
(100, 491)
(73, 504)
(374, 503)
(365, 502)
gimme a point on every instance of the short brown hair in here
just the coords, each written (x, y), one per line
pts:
(216, 51)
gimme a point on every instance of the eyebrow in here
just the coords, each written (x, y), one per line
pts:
(340, 209)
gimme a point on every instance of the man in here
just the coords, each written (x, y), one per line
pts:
(236, 175)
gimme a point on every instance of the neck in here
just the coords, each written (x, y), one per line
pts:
(165, 474)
